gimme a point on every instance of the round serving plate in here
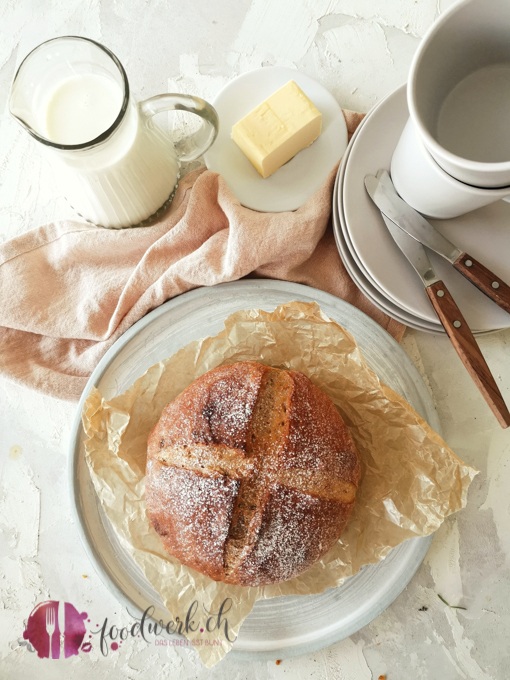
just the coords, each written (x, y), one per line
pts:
(284, 626)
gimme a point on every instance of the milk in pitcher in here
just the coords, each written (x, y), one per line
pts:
(114, 165)
(119, 183)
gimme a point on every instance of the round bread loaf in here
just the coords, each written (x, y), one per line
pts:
(251, 474)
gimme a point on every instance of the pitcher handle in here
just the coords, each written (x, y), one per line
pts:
(200, 140)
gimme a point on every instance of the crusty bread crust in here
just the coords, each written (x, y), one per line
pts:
(251, 474)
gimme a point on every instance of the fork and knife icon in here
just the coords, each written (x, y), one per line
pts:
(56, 622)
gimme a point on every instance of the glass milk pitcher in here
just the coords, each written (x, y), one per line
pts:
(112, 163)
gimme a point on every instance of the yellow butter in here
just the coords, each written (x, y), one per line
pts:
(278, 128)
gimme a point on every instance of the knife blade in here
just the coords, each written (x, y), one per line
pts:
(384, 195)
(452, 321)
(61, 621)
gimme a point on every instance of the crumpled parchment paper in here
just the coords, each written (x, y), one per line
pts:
(411, 479)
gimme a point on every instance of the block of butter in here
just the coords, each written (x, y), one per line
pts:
(278, 128)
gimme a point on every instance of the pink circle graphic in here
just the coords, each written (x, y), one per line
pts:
(55, 629)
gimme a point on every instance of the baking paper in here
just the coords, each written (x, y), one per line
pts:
(411, 479)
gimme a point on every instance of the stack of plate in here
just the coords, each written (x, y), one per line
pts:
(374, 261)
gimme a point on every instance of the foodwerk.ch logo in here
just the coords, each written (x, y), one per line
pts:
(56, 629)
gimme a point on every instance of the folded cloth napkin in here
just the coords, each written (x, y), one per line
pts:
(70, 289)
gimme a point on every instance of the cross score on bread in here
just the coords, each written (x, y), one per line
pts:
(251, 474)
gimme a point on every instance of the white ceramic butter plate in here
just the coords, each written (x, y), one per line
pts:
(290, 186)
(484, 233)
(279, 627)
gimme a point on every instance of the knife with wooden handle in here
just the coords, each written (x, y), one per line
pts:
(467, 348)
(451, 318)
(484, 280)
(390, 204)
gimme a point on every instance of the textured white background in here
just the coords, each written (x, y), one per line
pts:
(360, 50)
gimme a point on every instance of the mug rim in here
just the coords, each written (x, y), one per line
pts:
(106, 133)
(464, 164)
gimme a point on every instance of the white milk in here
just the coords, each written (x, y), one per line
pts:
(80, 108)
(474, 119)
(124, 179)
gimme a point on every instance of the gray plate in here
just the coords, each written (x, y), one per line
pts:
(285, 626)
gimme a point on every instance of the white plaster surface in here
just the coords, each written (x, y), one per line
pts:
(360, 50)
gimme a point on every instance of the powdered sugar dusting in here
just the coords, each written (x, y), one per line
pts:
(216, 408)
(250, 477)
(318, 437)
(189, 510)
(292, 537)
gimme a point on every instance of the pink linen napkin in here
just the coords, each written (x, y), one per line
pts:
(68, 290)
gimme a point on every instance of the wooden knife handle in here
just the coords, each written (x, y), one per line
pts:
(484, 280)
(466, 347)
